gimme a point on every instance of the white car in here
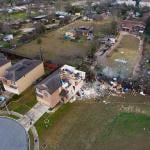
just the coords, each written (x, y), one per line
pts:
(8, 37)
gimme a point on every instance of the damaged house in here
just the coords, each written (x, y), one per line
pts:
(60, 86)
(78, 32)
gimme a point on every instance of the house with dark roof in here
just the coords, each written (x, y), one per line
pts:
(60, 86)
(22, 75)
(4, 64)
(132, 26)
(78, 32)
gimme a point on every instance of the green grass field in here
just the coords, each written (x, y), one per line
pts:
(127, 51)
(24, 102)
(91, 125)
(55, 48)
(14, 16)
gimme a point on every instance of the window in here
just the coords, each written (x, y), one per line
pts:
(39, 95)
(13, 82)
(45, 94)
(12, 86)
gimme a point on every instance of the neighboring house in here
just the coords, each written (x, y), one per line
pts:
(132, 26)
(78, 32)
(61, 13)
(60, 86)
(37, 18)
(21, 75)
(84, 31)
(142, 3)
(4, 64)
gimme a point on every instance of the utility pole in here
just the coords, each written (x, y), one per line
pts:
(41, 54)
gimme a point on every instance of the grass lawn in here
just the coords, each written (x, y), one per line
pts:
(15, 16)
(56, 48)
(127, 51)
(89, 125)
(23, 102)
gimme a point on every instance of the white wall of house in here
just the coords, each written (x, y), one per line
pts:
(3, 68)
(10, 89)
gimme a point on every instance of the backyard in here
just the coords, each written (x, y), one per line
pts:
(14, 16)
(91, 125)
(55, 48)
(124, 56)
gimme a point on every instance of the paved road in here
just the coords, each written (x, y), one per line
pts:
(30, 118)
(33, 129)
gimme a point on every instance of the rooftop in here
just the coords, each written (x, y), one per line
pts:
(3, 60)
(51, 83)
(20, 69)
(61, 78)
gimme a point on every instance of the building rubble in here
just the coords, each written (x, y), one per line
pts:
(93, 90)
(100, 89)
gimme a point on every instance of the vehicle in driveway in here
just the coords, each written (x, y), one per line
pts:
(2, 101)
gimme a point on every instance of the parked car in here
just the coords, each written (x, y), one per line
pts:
(2, 101)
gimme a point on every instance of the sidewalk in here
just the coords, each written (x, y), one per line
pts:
(30, 118)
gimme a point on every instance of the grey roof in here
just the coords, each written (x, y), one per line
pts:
(52, 82)
(12, 135)
(20, 69)
(3, 60)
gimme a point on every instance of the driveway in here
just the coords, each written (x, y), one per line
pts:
(30, 118)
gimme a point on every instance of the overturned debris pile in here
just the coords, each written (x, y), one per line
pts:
(93, 91)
